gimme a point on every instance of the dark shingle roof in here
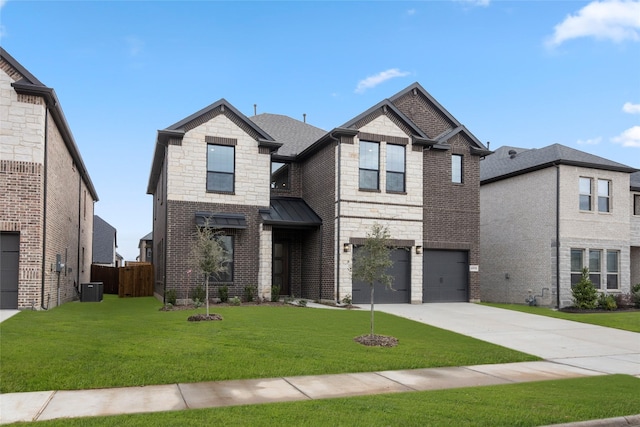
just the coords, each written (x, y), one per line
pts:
(511, 161)
(294, 135)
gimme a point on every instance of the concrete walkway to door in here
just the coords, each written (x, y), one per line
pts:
(606, 350)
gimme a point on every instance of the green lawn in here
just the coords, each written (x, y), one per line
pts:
(525, 404)
(627, 320)
(129, 342)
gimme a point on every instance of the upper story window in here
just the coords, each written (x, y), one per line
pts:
(395, 168)
(604, 195)
(636, 204)
(369, 165)
(456, 168)
(220, 168)
(279, 176)
(585, 194)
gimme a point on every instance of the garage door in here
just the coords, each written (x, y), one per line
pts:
(446, 276)
(9, 253)
(400, 271)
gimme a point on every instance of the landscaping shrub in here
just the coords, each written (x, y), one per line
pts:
(584, 293)
(171, 296)
(223, 293)
(275, 293)
(249, 292)
(635, 295)
(607, 302)
(234, 301)
(198, 294)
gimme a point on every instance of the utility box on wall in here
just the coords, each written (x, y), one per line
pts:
(91, 292)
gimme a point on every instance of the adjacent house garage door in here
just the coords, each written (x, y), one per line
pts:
(446, 276)
(9, 253)
(400, 271)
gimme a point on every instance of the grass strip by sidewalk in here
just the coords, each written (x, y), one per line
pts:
(129, 342)
(524, 404)
(626, 320)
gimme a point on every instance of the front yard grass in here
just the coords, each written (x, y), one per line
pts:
(129, 342)
(627, 320)
(524, 404)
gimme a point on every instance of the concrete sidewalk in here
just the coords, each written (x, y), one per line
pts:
(47, 405)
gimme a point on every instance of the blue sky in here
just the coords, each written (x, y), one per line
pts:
(519, 73)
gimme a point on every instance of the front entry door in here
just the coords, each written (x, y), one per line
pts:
(9, 255)
(281, 266)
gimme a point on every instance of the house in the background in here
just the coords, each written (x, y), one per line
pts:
(146, 248)
(547, 213)
(295, 202)
(105, 243)
(46, 196)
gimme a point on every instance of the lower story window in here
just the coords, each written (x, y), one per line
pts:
(612, 269)
(227, 274)
(595, 262)
(577, 264)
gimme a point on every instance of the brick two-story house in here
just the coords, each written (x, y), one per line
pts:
(46, 196)
(547, 213)
(295, 202)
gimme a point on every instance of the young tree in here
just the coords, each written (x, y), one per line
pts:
(585, 294)
(209, 254)
(372, 260)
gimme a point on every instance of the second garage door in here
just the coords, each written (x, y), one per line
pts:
(445, 276)
(400, 271)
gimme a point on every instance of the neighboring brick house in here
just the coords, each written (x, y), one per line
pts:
(46, 196)
(295, 202)
(545, 214)
(105, 243)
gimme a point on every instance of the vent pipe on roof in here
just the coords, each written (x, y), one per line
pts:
(304, 117)
(255, 109)
(488, 144)
(512, 154)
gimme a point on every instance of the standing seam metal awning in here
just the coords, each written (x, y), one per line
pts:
(290, 212)
(221, 220)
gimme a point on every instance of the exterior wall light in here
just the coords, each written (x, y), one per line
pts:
(346, 247)
(418, 250)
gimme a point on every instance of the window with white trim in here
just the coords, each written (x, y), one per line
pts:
(577, 264)
(395, 168)
(585, 194)
(636, 204)
(595, 267)
(604, 195)
(613, 268)
(456, 168)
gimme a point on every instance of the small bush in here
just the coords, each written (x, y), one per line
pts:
(607, 302)
(249, 292)
(171, 296)
(624, 300)
(198, 294)
(346, 300)
(275, 293)
(223, 293)
(302, 303)
(235, 301)
(585, 295)
(635, 295)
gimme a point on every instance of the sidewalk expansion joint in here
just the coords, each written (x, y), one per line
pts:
(44, 405)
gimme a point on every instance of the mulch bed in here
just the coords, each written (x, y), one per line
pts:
(377, 340)
(203, 317)
(596, 310)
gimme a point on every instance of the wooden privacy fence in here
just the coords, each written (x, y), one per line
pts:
(134, 280)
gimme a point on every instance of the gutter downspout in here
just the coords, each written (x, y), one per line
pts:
(337, 249)
(78, 267)
(44, 208)
(557, 235)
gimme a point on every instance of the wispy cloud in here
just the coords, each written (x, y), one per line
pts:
(629, 138)
(481, 3)
(2, 3)
(375, 80)
(135, 45)
(607, 20)
(411, 12)
(631, 108)
(592, 141)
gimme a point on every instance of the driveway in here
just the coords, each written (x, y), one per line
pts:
(607, 350)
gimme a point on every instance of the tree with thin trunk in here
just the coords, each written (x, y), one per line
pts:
(209, 254)
(372, 260)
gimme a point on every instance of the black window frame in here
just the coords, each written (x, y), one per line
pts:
(275, 183)
(228, 276)
(389, 172)
(368, 171)
(212, 172)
